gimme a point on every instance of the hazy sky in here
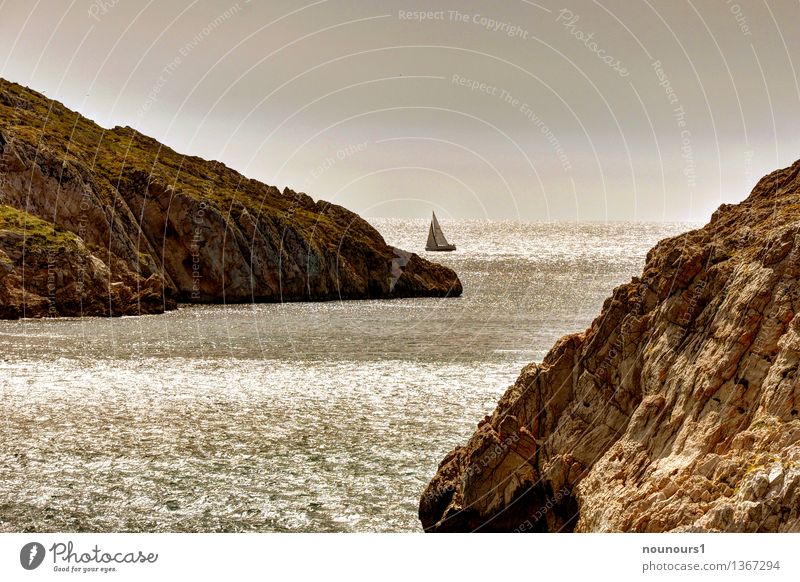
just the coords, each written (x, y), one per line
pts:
(612, 110)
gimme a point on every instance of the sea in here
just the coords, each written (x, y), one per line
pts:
(298, 417)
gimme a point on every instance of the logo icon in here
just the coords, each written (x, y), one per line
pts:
(32, 555)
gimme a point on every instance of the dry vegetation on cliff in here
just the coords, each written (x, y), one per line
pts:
(178, 227)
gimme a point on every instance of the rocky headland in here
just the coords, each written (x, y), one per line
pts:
(111, 222)
(677, 410)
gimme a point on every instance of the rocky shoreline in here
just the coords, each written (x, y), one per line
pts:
(677, 410)
(111, 222)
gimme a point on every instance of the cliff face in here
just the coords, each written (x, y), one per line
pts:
(154, 227)
(677, 410)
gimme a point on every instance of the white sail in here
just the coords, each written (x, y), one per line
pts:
(436, 238)
(438, 235)
(431, 239)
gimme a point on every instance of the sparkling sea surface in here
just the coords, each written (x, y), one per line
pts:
(313, 417)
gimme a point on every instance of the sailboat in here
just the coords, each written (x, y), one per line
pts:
(436, 240)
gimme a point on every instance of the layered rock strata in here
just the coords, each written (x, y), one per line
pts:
(677, 410)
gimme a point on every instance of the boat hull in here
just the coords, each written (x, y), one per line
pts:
(443, 248)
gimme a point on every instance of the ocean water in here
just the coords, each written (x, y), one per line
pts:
(321, 417)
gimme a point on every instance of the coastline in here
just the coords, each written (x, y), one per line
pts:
(275, 397)
(111, 222)
(673, 411)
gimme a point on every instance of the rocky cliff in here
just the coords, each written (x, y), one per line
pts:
(677, 410)
(111, 222)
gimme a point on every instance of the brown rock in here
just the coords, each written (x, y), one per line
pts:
(163, 227)
(677, 410)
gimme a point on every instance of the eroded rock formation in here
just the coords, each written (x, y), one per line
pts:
(677, 410)
(147, 227)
